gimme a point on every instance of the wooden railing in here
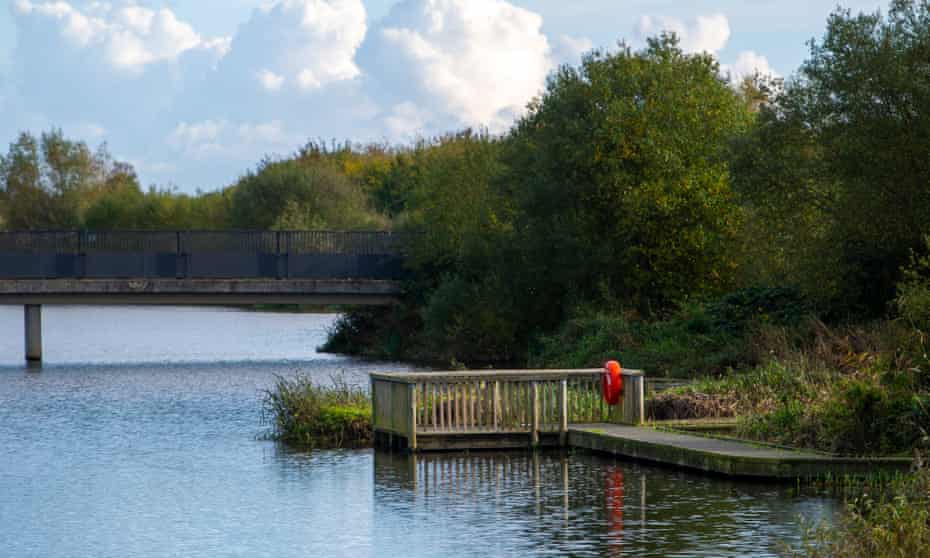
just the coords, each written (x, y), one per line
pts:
(505, 402)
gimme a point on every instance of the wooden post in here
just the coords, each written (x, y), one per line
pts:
(497, 404)
(631, 410)
(374, 402)
(534, 414)
(634, 411)
(412, 420)
(563, 412)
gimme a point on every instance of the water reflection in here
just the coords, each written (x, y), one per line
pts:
(582, 504)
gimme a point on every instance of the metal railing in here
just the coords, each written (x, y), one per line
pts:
(201, 254)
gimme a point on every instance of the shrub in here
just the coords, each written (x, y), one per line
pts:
(306, 413)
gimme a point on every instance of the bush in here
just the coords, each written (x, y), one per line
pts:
(867, 412)
(308, 414)
(697, 340)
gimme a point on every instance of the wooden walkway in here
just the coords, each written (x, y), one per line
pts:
(720, 455)
(503, 409)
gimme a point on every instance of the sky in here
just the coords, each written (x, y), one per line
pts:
(194, 93)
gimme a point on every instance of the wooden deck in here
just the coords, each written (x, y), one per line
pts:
(721, 455)
(510, 409)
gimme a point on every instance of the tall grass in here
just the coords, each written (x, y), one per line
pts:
(893, 522)
(303, 412)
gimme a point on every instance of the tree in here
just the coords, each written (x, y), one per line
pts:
(300, 193)
(620, 175)
(48, 181)
(846, 147)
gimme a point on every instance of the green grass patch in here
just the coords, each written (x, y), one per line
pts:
(303, 412)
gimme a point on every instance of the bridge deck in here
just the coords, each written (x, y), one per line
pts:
(199, 291)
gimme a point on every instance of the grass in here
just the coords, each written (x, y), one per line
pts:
(892, 521)
(303, 412)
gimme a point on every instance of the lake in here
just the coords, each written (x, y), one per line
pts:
(142, 436)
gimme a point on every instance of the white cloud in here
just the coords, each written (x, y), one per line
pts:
(405, 121)
(270, 80)
(461, 62)
(128, 38)
(310, 43)
(703, 34)
(747, 64)
(227, 139)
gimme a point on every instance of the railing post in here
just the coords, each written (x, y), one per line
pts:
(81, 263)
(178, 258)
(412, 419)
(563, 412)
(534, 414)
(277, 254)
(497, 404)
(287, 256)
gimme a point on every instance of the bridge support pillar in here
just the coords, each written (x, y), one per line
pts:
(33, 330)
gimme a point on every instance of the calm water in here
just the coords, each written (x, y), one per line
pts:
(140, 437)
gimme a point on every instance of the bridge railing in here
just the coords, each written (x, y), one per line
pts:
(201, 254)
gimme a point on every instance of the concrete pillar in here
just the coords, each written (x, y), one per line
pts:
(33, 321)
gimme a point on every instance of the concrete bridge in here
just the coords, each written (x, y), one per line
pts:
(195, 268)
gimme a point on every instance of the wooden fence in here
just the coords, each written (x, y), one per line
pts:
(438, 410)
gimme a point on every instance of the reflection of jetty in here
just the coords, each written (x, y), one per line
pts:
(512, 409)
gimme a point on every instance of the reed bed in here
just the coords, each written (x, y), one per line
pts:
(307, 413)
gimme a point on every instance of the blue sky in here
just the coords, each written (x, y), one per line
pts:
(195, 92)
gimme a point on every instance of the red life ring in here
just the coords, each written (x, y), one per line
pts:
(612, 382)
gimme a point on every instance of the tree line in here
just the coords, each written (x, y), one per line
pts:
(639, 181)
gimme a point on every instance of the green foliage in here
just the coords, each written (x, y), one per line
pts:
(894, 523)
(309, 414)
(864, 413)
(383, 333)
(836, 166)
(300, 194)
(471, 322)
(452, 206)
(47, 182)
(779, 306)
(698, 339)
(619, 174)
(913, 300)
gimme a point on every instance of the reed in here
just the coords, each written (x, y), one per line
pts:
(306, 413)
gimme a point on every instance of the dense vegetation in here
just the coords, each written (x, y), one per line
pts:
(305, 413)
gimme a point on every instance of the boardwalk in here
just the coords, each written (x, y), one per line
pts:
(719, 455)
(564, 408)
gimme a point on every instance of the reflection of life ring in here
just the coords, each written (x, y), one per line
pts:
(615, 501)
(612, 382)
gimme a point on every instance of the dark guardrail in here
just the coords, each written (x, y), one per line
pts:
(201, 255)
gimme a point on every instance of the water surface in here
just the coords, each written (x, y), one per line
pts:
(141, 437)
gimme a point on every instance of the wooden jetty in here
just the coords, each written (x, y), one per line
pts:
(507, 409)
(494, 409)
